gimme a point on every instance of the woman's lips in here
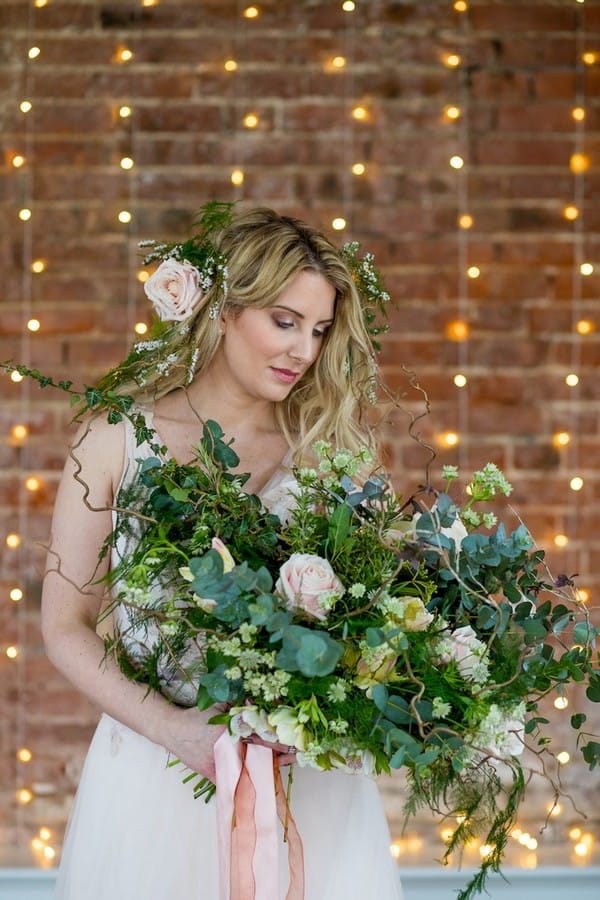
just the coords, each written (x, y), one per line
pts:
(285, 375)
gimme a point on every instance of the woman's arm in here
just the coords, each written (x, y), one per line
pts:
(71, 602)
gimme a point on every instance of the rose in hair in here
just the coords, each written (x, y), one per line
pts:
(174, 290)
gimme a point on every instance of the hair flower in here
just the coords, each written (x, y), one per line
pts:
(174, 290)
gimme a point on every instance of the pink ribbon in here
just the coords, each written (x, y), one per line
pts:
(250, 798)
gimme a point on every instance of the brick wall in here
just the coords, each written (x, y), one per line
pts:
(519, 77)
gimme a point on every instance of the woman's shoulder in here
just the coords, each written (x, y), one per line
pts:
(97, 450)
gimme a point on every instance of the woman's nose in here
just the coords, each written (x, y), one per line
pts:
(304, 346)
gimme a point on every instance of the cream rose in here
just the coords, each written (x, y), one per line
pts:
(174, 290)
(287, 727)
(248, 720)
(308, 582)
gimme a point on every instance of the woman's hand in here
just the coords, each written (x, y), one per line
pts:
(286, 756)
(192, 740)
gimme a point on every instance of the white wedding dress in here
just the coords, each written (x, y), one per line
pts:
(137, 833)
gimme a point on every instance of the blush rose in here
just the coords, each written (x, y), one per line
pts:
(307, 582)
(174, 290)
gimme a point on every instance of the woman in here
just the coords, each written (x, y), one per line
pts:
(272, 346)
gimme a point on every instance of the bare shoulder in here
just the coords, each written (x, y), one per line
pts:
(96, 456)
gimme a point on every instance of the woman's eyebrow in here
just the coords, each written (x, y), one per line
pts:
(301, 315)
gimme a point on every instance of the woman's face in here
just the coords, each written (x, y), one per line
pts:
(265, 352)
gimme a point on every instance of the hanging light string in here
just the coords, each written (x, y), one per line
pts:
(580, 270)
(345, 65)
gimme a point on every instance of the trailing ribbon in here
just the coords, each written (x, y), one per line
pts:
(250, 798)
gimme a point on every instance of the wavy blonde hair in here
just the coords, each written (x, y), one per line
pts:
(264, 252)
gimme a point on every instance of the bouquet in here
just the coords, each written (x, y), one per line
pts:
(364, 632)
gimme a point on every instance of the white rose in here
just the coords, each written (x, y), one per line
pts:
(307, 582)
(287, 727)
(174, 290)
(248, 720)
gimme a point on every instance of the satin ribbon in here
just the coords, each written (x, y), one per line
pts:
(250, 799)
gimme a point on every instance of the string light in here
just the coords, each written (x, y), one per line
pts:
(24, 796)
(561, 438)
(457, 330)
(142, 276)
(338, 62)
(575, 833)
(358, 168)
(452, 112)
(457, 162)
(586, 268)
(33, 52)
(450, 438)
(149, 2)
(561, 703)
(570, 212)
(124, 112)
(16, 594)
(572, 379)
(37, 266)
(32, 484)
(124, 55)
(360, 113)
(16, 376)
(33, 325)
(589, 57)
(124, 216)
(25, 106)
(338, 224)
(12, 652)
(24, 755)
(579, 163)
(230, 65)
(561, 540)
(237, 177)
(563, 757)
(452, 60)
(19, 432)
(25, 214)
(581, 595)
(584, 326)
(251, 120)
(140, 328)
(348, 6)
(13, 540)
(465, 221)
(251, 12)
(460, 380)
(18, 160)
(578, 113)
(473, 271)
(461, 6)
(581, 849)
(576, 483)
(40, 3)
(126, 162)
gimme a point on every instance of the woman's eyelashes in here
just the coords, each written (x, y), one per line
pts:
(286, 323)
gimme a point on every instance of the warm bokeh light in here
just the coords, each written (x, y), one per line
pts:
(19, 432)
(585, 326)
(570, 212)
(586, 268)
(32, 484)
(33, 52)
(124, 111)
(582, 595)
(140, 328)
(348, 5)
(13, 540)
(338, 62)
(126, 162)
(575, 833)
(554, 808)
(37, 266)
(576, 483)
(16, 594)
(473, 271)
(460, 380)
(561, 540)
(124, 216)
(16, 376)
(24, 755)
(578, 113)
(142, 275)
(25, 214)
(45, 833)
(358, 168)
(24, 796)
(563, 757)
(589, 57)
(251, 120)
(34, 325)
(12, 652)
(457, 330)
(450, 438)
(237, 176)
(25, 106)
(579, 163)
(360, 113)
(561, 703)
(465, 220)
(561, 438)
(338, 224)
(124, 54)
(457, 162)
(452, 112)
(452, 60)
(581, 849)
(251, 12)
(572, 379)
(18, 160)
(230, 65)
(461, 5)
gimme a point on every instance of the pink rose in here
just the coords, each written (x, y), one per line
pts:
(174, 290)
(308, 582)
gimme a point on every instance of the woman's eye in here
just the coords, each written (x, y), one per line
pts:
(320, 333)
(282, 323)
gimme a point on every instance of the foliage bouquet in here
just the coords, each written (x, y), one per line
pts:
(363, 632)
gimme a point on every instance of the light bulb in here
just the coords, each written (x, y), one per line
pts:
(24, 796)
(461, 5)
(575, 833)
(33, 325)
(561, 438)
(579, 163)
(19, 432)
(230, 65)
(16, 594)
(45, 833)
(457, 162)
(25, 214)
(586, 268)
(338, 62)
(348, 5)
(237, 176)
(576, 483)
(563, 757)
(457, 330)
(18, 160)
(124, 55)
(452, 112)
(578, 113)
(251, 120)
(460, 380)
(25, 106)
(33, 52)
(142, 276)
(561, 703)
(124, 111)
(37, 266)
(581, 595)
(140, 328)
(338, 224)
(450, 438)
(570, 212)
(589, 57)
(358, 169)
(452, 60)
(126, 162)
(24, 755)
(572, 379)
(473, 271)
(465, 220)
(561, 540)
(16, 376)
(13, 540)
(251, 12)
(32, 484)
(585, 326)
(124, 216)
(360, 113)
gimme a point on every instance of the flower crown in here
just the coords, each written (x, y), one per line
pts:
(186, 271)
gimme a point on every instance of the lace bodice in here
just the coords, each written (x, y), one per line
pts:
(140, 639)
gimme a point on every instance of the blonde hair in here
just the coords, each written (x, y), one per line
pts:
(264, 252)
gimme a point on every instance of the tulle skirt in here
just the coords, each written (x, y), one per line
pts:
(136, 831)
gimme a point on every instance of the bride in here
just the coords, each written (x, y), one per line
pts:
(266, 336)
